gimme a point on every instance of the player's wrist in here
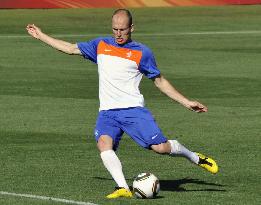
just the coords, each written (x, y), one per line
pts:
(185, 102)
(41, 36)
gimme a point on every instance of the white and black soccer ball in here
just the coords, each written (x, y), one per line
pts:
(146, 186)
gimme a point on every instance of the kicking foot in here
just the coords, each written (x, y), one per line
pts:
(207, 163)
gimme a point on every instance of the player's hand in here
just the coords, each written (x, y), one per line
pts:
(34, 31)
(196, 107)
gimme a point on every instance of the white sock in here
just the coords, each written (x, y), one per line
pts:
(178, 149)
(113, 165)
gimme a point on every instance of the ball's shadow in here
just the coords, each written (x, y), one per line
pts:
(176, 185)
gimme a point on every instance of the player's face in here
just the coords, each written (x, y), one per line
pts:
(121, 28)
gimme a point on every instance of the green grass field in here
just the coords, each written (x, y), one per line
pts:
(49, 104)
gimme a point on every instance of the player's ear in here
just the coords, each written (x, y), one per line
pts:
(132, 28)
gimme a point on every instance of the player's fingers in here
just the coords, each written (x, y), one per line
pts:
(202, 109)
(29, 26)
(201, 106)
(34, 26)
(198, 107)
(30, 30)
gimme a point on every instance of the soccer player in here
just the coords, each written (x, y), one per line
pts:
(121, 64)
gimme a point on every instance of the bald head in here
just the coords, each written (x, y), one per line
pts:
(123, 13)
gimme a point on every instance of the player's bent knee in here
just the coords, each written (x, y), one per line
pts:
(104, 143)
(162, 148)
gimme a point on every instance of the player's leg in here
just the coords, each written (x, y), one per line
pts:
(106, 144)
(111, 160)
(174, 148)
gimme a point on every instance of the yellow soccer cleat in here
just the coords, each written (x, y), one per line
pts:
(207, 163)
(119, 192)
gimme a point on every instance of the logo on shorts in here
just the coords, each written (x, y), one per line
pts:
(96, 133)
(154, 136)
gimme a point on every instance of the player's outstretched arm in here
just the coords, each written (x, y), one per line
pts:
(165, 86)
(60, 45)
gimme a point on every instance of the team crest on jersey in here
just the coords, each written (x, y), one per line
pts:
(129, 54)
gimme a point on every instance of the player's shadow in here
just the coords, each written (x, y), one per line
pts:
(176, 185)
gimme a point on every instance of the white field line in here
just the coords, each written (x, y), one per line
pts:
(146, 34)
(46, 198)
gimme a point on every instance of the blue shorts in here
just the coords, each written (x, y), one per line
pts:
(137, 122)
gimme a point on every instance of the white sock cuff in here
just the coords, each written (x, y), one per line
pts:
(175, 147)
(107, 152)
(179, 149)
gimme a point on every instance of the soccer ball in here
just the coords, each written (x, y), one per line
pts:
(146, 186)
